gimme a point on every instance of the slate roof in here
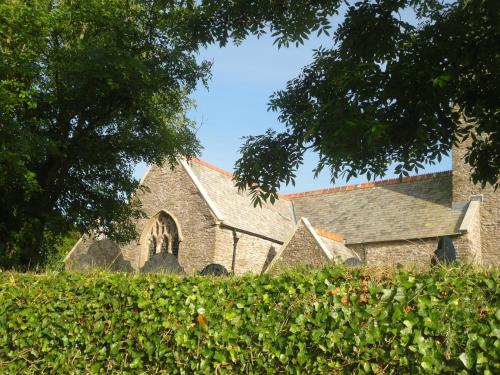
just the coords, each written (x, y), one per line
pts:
(417, 207)
(388, 210)
(338, 249)
(272, 221)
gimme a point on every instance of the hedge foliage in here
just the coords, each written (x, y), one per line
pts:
(329, 321)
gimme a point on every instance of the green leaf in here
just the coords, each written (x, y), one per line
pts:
(136, 364)
(465, 360)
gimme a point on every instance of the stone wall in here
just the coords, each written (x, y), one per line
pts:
(223, 252)
(173, 192)
(301, 249)
(418, 252)
(463, 188)
(412, 252)
(250, 253)
(468, 245)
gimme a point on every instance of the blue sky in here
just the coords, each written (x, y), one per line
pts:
(236, 103)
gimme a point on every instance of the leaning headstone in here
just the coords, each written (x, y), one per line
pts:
(102, 254)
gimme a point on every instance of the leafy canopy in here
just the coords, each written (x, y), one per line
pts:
(89, 88)
(388, 91)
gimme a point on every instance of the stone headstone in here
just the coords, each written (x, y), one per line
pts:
(214, 270)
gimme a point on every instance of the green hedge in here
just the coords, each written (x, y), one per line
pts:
(330, 321)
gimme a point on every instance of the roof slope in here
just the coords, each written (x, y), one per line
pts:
(338, 249)
(272, 221)
(418, 207)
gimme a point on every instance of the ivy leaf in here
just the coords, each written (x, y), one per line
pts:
(465, 360)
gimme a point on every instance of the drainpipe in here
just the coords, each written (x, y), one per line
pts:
(236, 238)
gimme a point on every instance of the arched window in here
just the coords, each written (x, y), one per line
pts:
(163, 237)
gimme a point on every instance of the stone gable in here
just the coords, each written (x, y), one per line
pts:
(173, 191)
(300, 250)
(311, 247)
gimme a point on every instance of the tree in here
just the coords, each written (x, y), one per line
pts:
(388, 92)
(88, 89)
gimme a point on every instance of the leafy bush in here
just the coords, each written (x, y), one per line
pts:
(329, 321)
(54, 258)
(52, 253)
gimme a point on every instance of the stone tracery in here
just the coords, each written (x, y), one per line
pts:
(163, 236)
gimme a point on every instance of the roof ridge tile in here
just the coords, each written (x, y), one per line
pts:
(330, 235)
(367, 185)
(212, 167)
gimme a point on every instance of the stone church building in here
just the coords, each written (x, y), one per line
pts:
(198, 222)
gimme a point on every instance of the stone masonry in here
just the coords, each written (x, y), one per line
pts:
(463, 189)
(408, 253)
(300, 250)
(196, 217)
